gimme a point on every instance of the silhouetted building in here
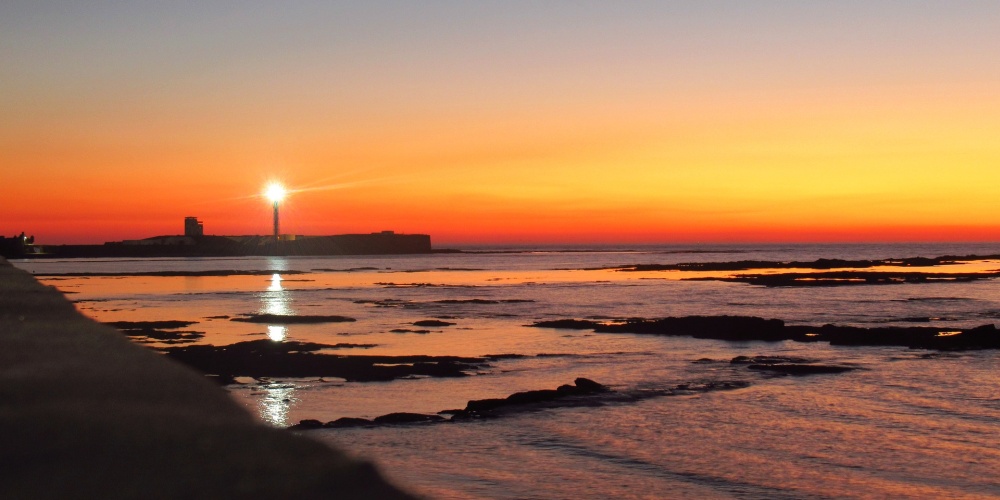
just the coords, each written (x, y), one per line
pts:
(193, 228)
(18, 246)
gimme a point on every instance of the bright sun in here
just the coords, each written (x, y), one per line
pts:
(274, 192)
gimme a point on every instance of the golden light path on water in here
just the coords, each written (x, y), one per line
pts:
(277, 399)
(276, 402)
(276, 302)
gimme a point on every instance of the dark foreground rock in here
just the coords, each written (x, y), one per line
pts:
(747, 328)
(265, 358)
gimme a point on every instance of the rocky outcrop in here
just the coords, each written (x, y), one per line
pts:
(849, 278)
(288, 319)
(744, 265)
(432, 322)
(745, 328)
(264, 358)
(406, 418)
(584, 392)
(487, 407)
(800, 369)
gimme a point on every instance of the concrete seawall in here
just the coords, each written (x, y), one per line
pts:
(84, 413)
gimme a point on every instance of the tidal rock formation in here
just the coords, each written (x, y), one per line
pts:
(486, 407)
(800, 369)
(849, 278)
(746, 328)
(345, 422)
(265, 358)
(287, 319)
(432, 322)
(583, 392)
(407, 418)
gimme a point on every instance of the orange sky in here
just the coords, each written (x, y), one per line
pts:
(514, 122)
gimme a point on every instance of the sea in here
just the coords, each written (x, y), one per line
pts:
(905, 423)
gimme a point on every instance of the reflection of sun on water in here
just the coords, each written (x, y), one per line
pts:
(276, 332)
(276, 298)
(277, 399)
(275, 283)
(275, 301)
(275, 403)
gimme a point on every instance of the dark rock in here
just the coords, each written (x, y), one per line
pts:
(800, 369)
(736, 328)
(306, 425)
(589, 386)
(744, 265)
(584, 392)
(567, 324)
(748, 328)
(348, 345)
(266, 358)
(581, 387)
(150, 325)
(345, 422)
(766, 360)
(164, 336)
(566, 389)
(483, 405)
(432, 322)
(848, 278)
(529, 397)
(466, 301)
(283, 319)
(407, 418)
(505, 356)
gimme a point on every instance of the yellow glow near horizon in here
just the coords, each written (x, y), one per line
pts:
(667, 123)
(275, 192)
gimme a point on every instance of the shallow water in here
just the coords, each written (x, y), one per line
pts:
(903, 425)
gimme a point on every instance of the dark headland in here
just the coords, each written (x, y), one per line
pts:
(88, 414)
(196, 245)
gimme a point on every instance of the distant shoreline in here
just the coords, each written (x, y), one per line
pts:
(384, 243)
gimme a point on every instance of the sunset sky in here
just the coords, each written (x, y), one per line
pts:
(504, 122)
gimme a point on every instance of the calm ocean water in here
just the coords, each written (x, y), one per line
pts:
(905, 424)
